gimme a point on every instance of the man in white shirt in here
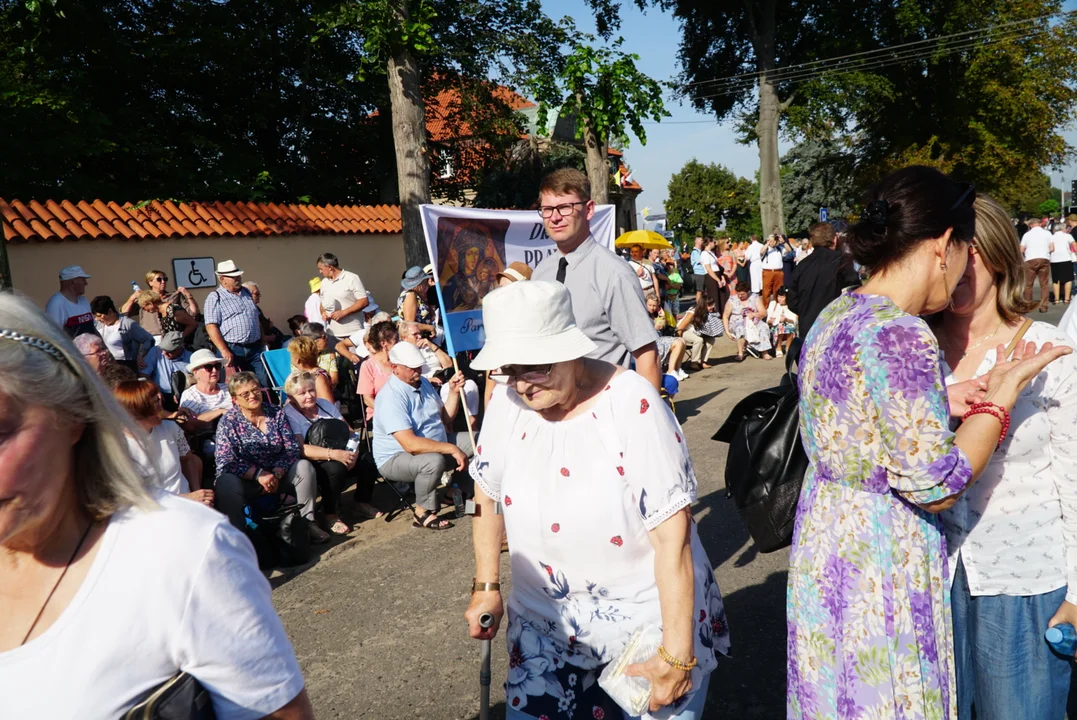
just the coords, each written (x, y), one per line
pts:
(773, 278)
(642, 268)
(434, 360)
(1037, 246)
(343, 297)
(754, 255)
(69, 308)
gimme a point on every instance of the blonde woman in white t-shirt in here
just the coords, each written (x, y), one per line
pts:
(1012, 536)
(1061, 264)
(109, 588)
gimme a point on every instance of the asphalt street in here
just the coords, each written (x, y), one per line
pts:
(377, 621)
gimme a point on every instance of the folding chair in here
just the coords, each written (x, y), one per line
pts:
(278, 364)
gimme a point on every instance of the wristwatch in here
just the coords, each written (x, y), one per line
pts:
(484, 586)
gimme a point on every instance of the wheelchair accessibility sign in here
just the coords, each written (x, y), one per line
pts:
(193, 273)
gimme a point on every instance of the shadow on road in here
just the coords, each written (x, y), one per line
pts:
(751, 684)
(690, 407)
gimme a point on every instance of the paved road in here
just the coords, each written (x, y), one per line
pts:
(378, 623)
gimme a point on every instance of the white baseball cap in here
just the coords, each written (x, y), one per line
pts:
(529, 323)
(227, 268)
(73, 271)
(406, 354)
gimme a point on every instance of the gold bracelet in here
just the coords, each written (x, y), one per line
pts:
(674, 662)
(484, 586)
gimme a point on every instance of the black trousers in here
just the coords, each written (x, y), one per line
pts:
(334, 476)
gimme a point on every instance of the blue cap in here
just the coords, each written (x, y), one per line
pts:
(1053, 635)
(670, 385)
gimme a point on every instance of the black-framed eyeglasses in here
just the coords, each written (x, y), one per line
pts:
(968, 194)
(564, 210)
(533, 374)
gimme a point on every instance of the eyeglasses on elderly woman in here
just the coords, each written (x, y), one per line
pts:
(528, 373)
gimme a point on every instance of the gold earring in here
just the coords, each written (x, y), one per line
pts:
(943, 266)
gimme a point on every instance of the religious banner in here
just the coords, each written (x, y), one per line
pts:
(469, 247)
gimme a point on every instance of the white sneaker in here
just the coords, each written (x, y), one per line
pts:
(680, 374)
(779, 353)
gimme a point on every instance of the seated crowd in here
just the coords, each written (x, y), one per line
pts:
(226, 426)
(215, 433)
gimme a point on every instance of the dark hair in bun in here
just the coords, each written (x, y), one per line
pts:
(906, 208)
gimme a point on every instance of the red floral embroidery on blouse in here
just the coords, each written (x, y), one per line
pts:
(643, 405)
(620, 471)
(565, 472)
(508, 500)
(555, 527)
(616, 540)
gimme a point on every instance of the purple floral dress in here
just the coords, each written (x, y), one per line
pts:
(869, 625)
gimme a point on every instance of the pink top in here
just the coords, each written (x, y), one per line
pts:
(371, 379)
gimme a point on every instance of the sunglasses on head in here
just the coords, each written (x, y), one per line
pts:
(968, 194)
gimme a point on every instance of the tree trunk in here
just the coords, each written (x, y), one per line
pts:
(598, 166)
(761, 23)
(770, 181)
(409, 138)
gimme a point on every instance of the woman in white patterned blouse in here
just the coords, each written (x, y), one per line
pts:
(1012, 536)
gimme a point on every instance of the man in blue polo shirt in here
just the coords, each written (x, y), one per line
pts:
(413, 440)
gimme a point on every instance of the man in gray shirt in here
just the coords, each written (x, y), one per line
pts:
(606, 296)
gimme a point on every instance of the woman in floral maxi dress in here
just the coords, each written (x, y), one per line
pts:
(869, 626)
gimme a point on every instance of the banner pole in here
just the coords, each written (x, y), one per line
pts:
(451, 349)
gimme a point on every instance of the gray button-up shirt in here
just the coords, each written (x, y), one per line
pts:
(606, 300)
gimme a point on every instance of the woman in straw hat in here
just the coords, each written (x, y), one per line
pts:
(109, 586)
(569, 435)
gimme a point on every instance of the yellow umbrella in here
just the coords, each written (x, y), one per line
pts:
(647, 239)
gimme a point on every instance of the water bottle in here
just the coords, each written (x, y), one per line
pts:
(135, 287)
(353, 443)
(457, 500)
(1063, 639)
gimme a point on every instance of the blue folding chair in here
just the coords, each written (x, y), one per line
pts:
(278, 365)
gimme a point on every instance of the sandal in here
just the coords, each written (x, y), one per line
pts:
(740, 358)
(424, 521)
(340, 528)
(368, 513)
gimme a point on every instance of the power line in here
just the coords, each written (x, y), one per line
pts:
(905, 56)
(879, 53)
(896, 58)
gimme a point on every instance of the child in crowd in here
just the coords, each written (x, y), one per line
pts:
(782, 322)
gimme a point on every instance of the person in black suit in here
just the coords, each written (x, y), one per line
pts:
(820, 277)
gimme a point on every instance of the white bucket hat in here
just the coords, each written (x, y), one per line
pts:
(530, 323)
(201, 358)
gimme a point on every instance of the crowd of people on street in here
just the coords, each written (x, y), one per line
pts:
(934, 532)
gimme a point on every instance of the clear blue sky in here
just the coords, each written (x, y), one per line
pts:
(655, 37)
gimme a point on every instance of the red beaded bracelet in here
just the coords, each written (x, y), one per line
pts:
(989, 408)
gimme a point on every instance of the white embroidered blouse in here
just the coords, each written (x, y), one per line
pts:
(1016, 526)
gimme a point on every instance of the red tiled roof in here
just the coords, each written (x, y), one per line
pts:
(440, 110)
(66, 220)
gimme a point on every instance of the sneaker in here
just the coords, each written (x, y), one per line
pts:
(681, 374)
(779, 353)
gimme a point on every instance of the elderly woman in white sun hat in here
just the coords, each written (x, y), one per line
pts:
(570, 435)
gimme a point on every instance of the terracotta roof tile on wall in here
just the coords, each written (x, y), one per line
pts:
(82, 220)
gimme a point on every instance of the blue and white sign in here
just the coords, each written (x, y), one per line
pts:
(824, 214)
(469, 247)
(194, 273)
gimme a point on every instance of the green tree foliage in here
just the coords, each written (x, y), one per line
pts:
(706, 197)
(514, 181)
(608, 95)
(991, 113)
(817, 174)
(193, 99)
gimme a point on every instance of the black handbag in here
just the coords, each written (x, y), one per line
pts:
(329, 433)
(179, 698)
(766, 462)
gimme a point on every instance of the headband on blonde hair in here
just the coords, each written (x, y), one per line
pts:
(35, 342)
